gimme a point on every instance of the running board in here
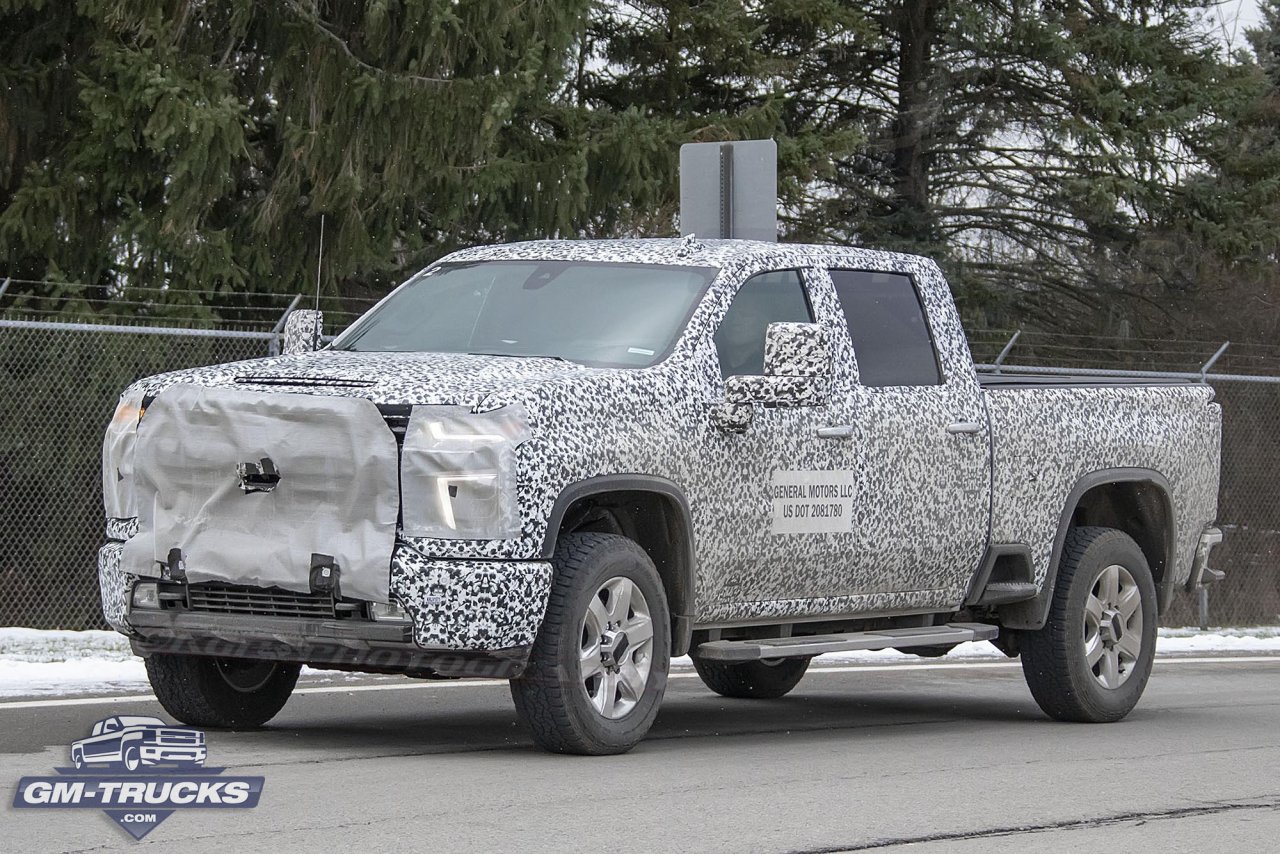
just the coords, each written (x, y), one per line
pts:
(804, 646)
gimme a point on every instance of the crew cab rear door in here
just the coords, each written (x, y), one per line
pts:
(919, 432)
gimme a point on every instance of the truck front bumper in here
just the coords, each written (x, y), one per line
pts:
(465, 617)
(345, 644)
(152, 753)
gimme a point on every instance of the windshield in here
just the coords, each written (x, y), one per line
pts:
(600, 314)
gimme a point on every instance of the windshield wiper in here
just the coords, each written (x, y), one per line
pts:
(519, 356)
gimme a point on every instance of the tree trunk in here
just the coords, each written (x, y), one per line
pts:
(916, 21)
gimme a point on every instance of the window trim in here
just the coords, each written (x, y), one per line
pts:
(924, 314)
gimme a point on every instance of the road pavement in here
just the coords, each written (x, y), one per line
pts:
(934, 757)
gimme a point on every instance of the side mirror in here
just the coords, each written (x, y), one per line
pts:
(797, 363)
(302, 331)
(796, 350)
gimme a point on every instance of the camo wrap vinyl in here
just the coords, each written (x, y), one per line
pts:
(302, 331)
(796, 350)
(733, 417)
(775, 390)
(1171, 429)
(122, 529)
(471, 604)
(919, 517)
(115, 584)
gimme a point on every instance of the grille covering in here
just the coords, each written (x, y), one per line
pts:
(258, 601)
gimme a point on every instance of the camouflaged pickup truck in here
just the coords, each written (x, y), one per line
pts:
(565, 463)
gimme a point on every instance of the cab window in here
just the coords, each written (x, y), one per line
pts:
(891, 340)
(774, 297)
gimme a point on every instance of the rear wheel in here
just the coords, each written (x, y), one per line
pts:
(233, 693)
(1091, 661)
(598, 668)
(767, 679)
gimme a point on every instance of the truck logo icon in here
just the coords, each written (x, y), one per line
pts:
(262, 476)
(133, 742)
(139, 771)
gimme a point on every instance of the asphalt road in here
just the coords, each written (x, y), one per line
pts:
(924, 758)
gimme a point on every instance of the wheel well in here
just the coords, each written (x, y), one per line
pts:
(659, 523)
(1141, 510)
(1133, 500)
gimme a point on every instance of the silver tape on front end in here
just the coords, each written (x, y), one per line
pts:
(337, 492)
(118, 498)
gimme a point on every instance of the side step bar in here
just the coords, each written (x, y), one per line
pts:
(799, 647)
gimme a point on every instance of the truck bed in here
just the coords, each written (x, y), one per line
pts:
(1050, 432)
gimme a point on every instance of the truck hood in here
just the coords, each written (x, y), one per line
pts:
(387, 378)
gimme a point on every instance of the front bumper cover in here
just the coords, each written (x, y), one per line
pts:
(461, 612)
(346, 644)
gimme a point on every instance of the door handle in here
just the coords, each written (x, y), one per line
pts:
(964, 427)
(844, 431)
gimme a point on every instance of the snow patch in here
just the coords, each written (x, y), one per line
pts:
(42, 663)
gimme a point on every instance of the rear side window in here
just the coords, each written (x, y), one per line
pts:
(767, 298)
(891, 339)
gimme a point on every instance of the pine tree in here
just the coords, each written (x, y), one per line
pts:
(195, 144)
(1027, 144)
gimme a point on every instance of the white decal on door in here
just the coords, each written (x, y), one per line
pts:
(812, 502)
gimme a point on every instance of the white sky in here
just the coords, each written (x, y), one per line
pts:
(1234, 17)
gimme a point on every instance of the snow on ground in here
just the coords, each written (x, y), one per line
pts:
(35, 663)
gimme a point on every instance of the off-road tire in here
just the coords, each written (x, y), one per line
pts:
(549, 696)
(1054, 658)
(195, 690)
(752, 680)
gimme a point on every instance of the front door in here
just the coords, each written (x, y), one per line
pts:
(753, 557)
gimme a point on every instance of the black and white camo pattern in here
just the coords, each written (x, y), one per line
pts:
(671, 420)
(302, 331)
(122, 529)
(471, 604)
(115, 584)
(1047, 439)
(775, 390)
(796, 350)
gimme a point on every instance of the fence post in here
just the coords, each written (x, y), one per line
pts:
(1202, 595)
(1007, 347)
(273, 346)
(1204, 369)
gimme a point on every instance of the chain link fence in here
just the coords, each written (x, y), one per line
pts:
(59, 384)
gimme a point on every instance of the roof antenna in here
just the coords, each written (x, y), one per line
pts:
(319, 261)
(689, 243)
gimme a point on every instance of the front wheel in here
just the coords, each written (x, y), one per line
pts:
(598, 668)
(1091, 661)
(132, 759)
(231, 693)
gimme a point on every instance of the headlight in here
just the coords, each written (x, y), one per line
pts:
(117, 457)
(458, 473)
